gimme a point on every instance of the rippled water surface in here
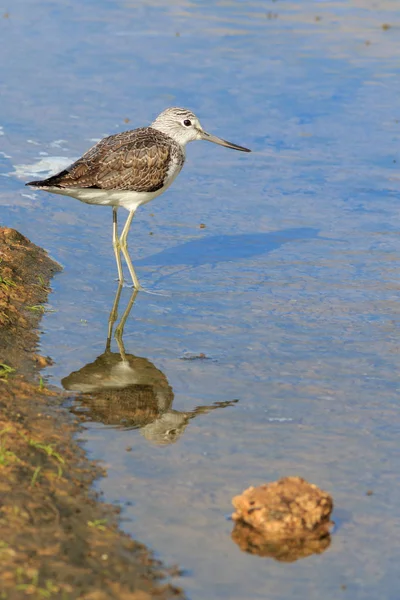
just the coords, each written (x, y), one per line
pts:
(274, 349)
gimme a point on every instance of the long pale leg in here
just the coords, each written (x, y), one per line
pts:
(117, 246)
(119, 330)
(113, 315)
(124, 247)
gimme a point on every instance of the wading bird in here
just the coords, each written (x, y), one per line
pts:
(131, 168)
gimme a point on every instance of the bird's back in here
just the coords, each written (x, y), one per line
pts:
(139, 160)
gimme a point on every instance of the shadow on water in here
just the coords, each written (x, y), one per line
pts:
(222, 248)
(129, 392)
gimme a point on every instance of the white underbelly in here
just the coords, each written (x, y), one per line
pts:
(125, 198)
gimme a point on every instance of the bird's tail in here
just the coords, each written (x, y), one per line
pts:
(53, 181)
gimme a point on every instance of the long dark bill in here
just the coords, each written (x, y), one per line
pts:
(216, 140)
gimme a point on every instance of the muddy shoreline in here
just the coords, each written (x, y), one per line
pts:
(57, 540)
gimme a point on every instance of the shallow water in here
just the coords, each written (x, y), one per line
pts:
(287, 300)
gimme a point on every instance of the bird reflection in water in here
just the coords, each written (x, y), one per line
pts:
(129, 392)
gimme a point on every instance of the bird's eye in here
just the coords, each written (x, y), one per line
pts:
(187, 123)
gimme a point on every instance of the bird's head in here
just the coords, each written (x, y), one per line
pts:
(183, 126)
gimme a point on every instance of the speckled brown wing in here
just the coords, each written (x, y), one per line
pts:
(135, 160)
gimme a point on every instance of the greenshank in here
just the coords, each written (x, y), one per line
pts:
(131, 168)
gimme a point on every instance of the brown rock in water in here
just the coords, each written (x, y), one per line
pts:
(287, 519)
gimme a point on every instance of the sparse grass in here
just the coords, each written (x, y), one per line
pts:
(7, 457)
(40, 308)
(35, 476)
(28, 581)
(7, 282)
(41, 384)
(42, 283)
(37, 308)
(47, 449)
(5, 371)
(98, 524)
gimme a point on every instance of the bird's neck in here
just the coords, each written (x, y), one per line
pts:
(170, 131)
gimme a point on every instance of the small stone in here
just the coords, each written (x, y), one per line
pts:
(42, 361)
(287, 519)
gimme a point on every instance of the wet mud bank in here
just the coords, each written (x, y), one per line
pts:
(57, 540)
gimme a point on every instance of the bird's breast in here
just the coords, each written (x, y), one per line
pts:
(177, 160)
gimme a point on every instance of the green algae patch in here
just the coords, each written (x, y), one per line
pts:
(57, 540)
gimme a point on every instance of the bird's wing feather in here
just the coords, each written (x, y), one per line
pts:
(135, 160)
